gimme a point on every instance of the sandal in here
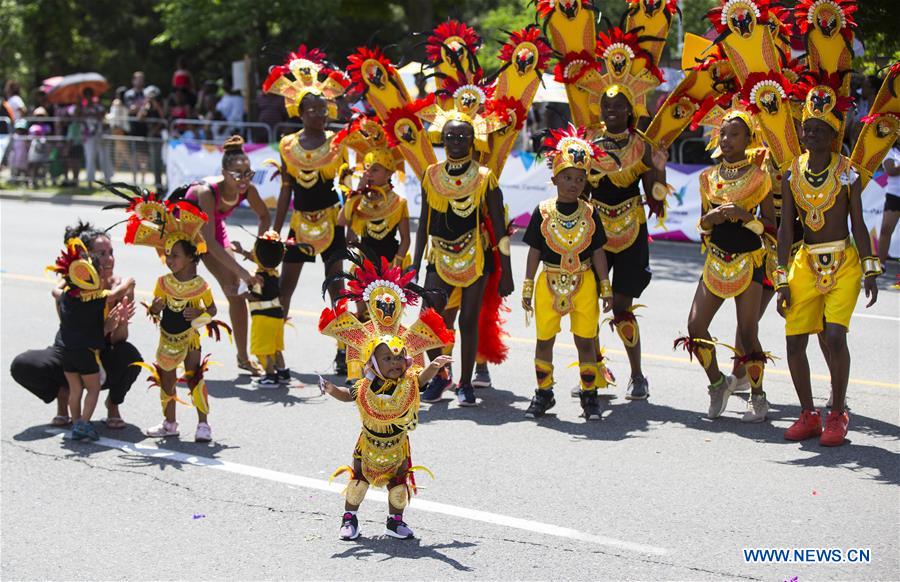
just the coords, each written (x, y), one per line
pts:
(251, 366)
(114, 423)
(60, 420)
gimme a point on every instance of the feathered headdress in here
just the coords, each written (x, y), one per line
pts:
(569, 148)
(652, 18)
(451, 50)
(158, 222)
(767, 98)
(881, 127)
(74, 265)
(368, 138)
(304, 72)
(387, 291)
(745, 34)
(827, 26)
(626, 68)
(822, 98)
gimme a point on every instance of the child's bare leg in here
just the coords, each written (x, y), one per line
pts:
(269, 363)
(192, 363)
(398, 494)
(92, 385)
(356, 489)
(279, 361)
(167, 381)
(62, 401)
(74, 380)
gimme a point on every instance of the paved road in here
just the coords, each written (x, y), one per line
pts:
(654, 491)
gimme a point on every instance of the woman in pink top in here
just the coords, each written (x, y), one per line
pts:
(218, 199)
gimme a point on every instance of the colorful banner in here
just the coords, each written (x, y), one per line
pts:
(525, 183)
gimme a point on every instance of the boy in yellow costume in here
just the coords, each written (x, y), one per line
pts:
(387, 396)
(820, 288)
(566, 235)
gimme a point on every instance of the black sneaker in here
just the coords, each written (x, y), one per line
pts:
(436, 387)
(340, 363)
(590, 405)
(268, 381)
(482, 378)
(397, 528)
(465, 396)
(284, 375)
(638, 389)
(541, 402)
(349, 527)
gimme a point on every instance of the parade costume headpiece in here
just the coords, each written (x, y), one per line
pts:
(368, 138)
(745, 30)
(626, 68)
(827, 27)
(268, 250)
(159, 222)
(569, 148)
(303, 73)
(451, 50)
(652, 18)
(75, 266)
(823, 100)
(881, 127)
(387, 291)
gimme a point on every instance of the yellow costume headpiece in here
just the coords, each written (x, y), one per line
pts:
(827, 26)
(304, 73)
(387, 292)
(745, 30)
(881, 127)
(823, 100)
(626, 69)
(570, 148)
(767, 96)
(367, 137)
(160, 223)
(75, 266)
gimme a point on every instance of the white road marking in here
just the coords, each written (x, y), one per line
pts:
(870, 316)
(152, 451)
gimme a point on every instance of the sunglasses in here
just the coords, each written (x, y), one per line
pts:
(245, 175)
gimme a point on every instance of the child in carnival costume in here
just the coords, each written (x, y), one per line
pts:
(387, 396)
(607, 80)
(310, 160)
(377, 216)
(819, 289)
(267, 318)
(731, 192)
(182, 300)
(83, 305)
(566, 235)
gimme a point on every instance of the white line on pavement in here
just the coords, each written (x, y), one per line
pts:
(152, 451)
(870, 316)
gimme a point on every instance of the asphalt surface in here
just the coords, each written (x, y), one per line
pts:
(653, 491)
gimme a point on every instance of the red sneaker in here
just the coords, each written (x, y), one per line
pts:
(809, 425)
(835, 429)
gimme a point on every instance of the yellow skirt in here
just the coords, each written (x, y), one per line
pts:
(173, 348)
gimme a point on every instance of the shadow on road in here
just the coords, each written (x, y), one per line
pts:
(384, 548)
(304, 389)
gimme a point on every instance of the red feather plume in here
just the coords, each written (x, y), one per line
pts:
(356, 60)
(530, 34)
(802, 17)
(448, 29)
(435, 322)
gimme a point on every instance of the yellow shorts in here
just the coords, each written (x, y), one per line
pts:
(266, 335)
(824, 285)
(584, 311)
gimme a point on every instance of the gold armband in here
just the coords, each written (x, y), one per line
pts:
(872, 267)
(660, 191)
(755, 226)
(503, 246)
(606, 291)
(528, 289)
(780, 278)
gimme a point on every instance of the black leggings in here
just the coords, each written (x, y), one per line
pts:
(41, 371)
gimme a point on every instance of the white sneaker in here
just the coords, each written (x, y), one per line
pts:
(757, 408)
(741, 385)
(203, 434)
(166, 429)
(718, 397)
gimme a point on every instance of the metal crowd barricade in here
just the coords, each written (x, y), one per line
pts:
(219, 131)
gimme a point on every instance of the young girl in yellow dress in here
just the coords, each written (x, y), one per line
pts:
(730, 193)
(387, 396)
(182, 302)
